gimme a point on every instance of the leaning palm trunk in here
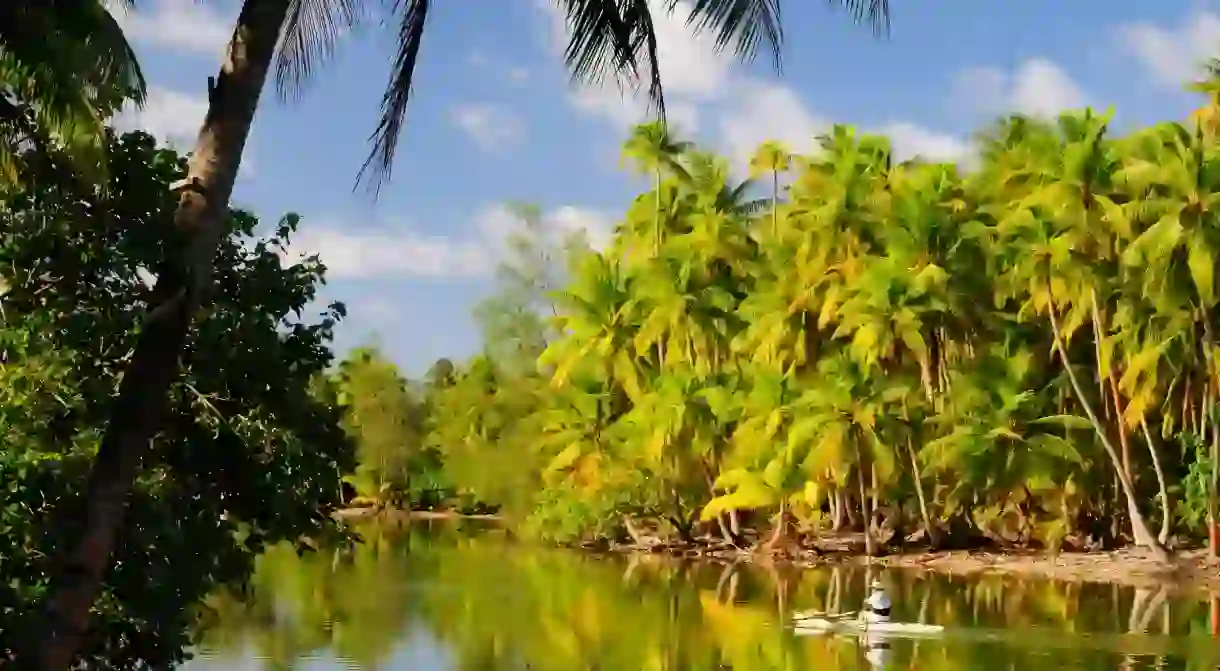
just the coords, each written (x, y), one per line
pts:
(143, 393)
(1139, 527)
(933, 535)
(1162, 485)
(869, 543)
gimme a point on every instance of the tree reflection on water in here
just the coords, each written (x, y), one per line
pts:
(491, 603)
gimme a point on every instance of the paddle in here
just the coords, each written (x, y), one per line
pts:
(818, 615)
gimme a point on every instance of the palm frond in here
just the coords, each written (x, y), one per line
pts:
(308, 40)
(748, 22)
(413, 14)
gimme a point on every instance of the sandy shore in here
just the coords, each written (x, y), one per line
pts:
(1190, 570)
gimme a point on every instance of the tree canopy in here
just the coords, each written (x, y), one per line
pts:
(249, 455)
(1019, 353)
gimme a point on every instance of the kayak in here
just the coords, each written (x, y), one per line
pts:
(809, 625)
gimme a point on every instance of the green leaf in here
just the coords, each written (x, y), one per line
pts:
(1202, 264)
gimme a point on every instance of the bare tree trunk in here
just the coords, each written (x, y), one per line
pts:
(142, 398)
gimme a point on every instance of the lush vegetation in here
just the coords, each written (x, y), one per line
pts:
(1019, 353)
(249, 455)
(64, 69)
(498, 605)
(65, 66)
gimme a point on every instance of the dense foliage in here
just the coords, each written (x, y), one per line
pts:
(1023, 351)
(65, 67)
(385, 417)
(248, 456)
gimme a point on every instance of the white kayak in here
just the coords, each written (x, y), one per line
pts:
(812, 625)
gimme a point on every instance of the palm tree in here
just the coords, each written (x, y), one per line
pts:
(65, 68)
(771, 159)
(655, 151)
(1207, 117)
(294, 36)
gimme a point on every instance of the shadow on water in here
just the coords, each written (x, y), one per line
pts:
(439, 597)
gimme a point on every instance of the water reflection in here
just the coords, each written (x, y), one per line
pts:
(432, 598)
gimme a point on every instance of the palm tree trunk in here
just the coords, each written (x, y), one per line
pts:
(656, 241)
(929, 530)
(1166, 508)
(780, 534)
(1206, 411)
(869, 548)
(1213, 492)
(1139, 527)
(774, 201)
(837, 509)
(142, 398)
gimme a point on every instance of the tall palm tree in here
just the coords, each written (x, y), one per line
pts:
(655, 151)
(771, 159)
(65, 68)
(293, 36)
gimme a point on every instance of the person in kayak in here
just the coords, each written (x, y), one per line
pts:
(877, 605)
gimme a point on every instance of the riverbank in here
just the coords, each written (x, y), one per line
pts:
(354, 514)
(1189, 570)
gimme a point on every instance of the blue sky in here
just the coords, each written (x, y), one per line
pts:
(495, 119)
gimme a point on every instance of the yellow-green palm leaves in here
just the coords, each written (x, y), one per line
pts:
(65, 68)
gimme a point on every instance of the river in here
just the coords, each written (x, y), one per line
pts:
(438, 597)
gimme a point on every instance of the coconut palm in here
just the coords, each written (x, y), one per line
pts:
(65, 68)
(294, 36)
(771, 159)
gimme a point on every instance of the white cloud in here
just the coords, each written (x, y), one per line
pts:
(171, 116)
(384, 254)
(497, 222)
(767, 111)
(1041, 88)
(184, 26)
(492, 128)
(910, 140)
(403, 253)
(1172, 55)
(770, 111)
(1037, 87)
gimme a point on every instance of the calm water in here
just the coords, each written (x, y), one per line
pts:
(438, 599)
